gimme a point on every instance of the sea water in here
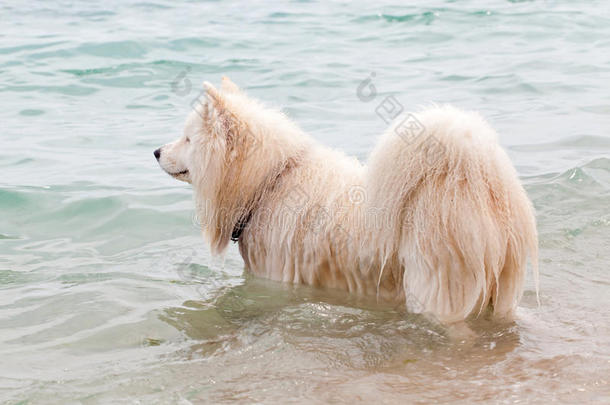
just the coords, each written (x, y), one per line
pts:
(107, 291)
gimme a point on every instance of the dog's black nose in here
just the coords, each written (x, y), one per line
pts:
(157, 153)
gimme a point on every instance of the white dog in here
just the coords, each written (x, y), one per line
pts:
(437, 219)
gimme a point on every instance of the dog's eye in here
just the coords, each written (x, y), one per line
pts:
(188, 139)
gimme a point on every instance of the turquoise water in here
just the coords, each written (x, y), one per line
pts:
(107, 292)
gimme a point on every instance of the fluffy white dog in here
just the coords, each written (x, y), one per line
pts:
(437, 219)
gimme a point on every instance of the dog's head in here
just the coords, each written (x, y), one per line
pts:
(207, 126)
(230, 147)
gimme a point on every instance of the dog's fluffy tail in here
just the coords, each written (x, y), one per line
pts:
(460, 223)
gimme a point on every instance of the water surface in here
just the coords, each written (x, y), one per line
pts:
(107, 292)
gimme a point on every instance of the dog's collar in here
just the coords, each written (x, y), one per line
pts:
(241, 224)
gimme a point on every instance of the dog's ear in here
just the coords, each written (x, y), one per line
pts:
(214, 96)
(228, 86)
(222, 121)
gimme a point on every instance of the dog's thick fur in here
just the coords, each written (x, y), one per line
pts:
(439, 222)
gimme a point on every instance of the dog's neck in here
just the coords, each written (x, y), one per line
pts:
(242, 223)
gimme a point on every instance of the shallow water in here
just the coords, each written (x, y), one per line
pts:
(107, 293)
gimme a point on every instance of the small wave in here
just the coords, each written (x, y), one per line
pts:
(591, 176)
(591, 142)
(68, 90)
(28, 47)
(425, 18)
